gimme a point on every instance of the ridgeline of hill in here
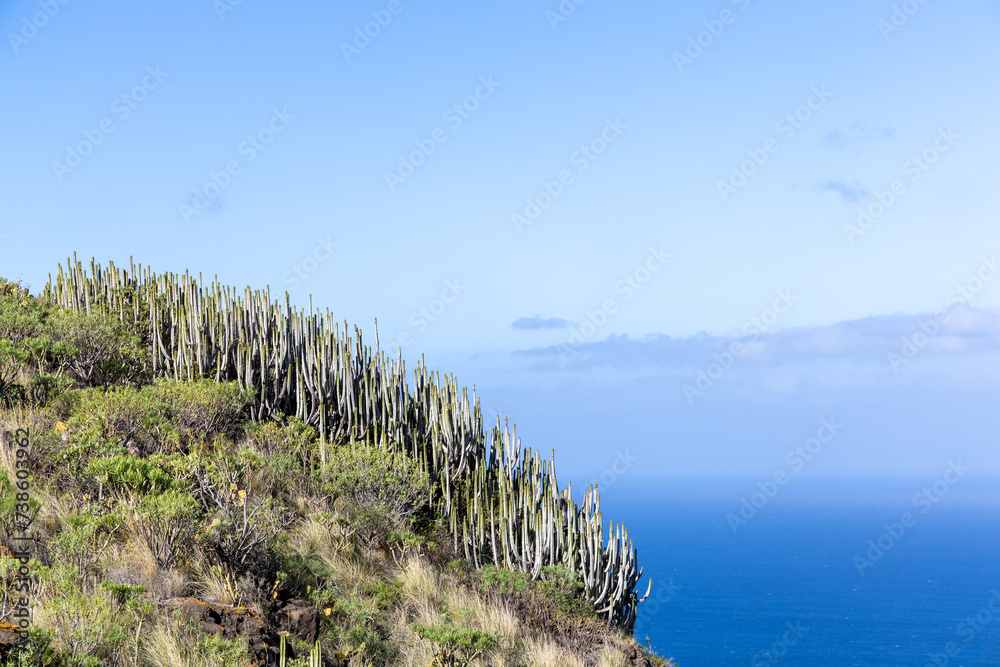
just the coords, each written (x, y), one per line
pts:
(193, 477)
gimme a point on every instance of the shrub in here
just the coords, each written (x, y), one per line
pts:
(21, 316)
(83, 537)
(503, 582)
(106, 352)
(457, 647)
(129, 475)
(121, 418)
(89, 630)
(379, 481)
(12, 361)
(44, 388)
(200, 410)
(274, 437)
(245, 518)
(564, 591)
(166, 523)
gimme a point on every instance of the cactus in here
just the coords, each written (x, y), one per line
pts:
(502, 503)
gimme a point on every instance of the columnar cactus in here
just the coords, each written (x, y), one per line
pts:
(503, 503)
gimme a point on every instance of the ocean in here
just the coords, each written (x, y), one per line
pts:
(877, 573)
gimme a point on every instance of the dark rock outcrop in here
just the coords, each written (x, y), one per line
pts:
(9, 638)
(298, 618)
(233, 623)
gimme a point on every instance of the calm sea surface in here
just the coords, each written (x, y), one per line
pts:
(827, 573)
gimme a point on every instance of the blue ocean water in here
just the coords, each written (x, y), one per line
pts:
(786, 587)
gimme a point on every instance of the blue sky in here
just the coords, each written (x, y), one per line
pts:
(668, 194)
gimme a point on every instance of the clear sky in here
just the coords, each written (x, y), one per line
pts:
(573, 206)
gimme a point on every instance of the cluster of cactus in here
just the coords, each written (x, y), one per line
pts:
(315, 654)
(503, 504)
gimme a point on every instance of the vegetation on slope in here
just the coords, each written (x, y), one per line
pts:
(175, 521)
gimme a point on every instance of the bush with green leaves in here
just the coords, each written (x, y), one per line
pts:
(128, 475)
(166, 523)
(378, 481)
(201, 410)
(21, 315)
(82, 539)
(12, 362)
(563, 589)
(456, 647)
(498, 580)
(274, 437)
(89, 627)
(106, 351)
(108, 422)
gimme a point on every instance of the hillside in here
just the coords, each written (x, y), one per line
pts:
(189, 476)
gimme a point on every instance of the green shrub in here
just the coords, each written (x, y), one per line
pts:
(38, 651)
(83, 537)
(106, 352)
(129, 475)
(89, 630)
(274, 437)
(502, 581)
(379, 482)
(117, 419)
(456, 647)
(13, 358)
(166, 523)
(245, 517)
(21, 316)
(564, 591)
(201, 410)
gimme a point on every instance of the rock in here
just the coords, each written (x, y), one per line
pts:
(233, 623)
(9, 638)
(636, 655)
(299, 618)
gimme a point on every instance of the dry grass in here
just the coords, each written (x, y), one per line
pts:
(430, 595)
(12, 419)
(163, 648)
(213, 584)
